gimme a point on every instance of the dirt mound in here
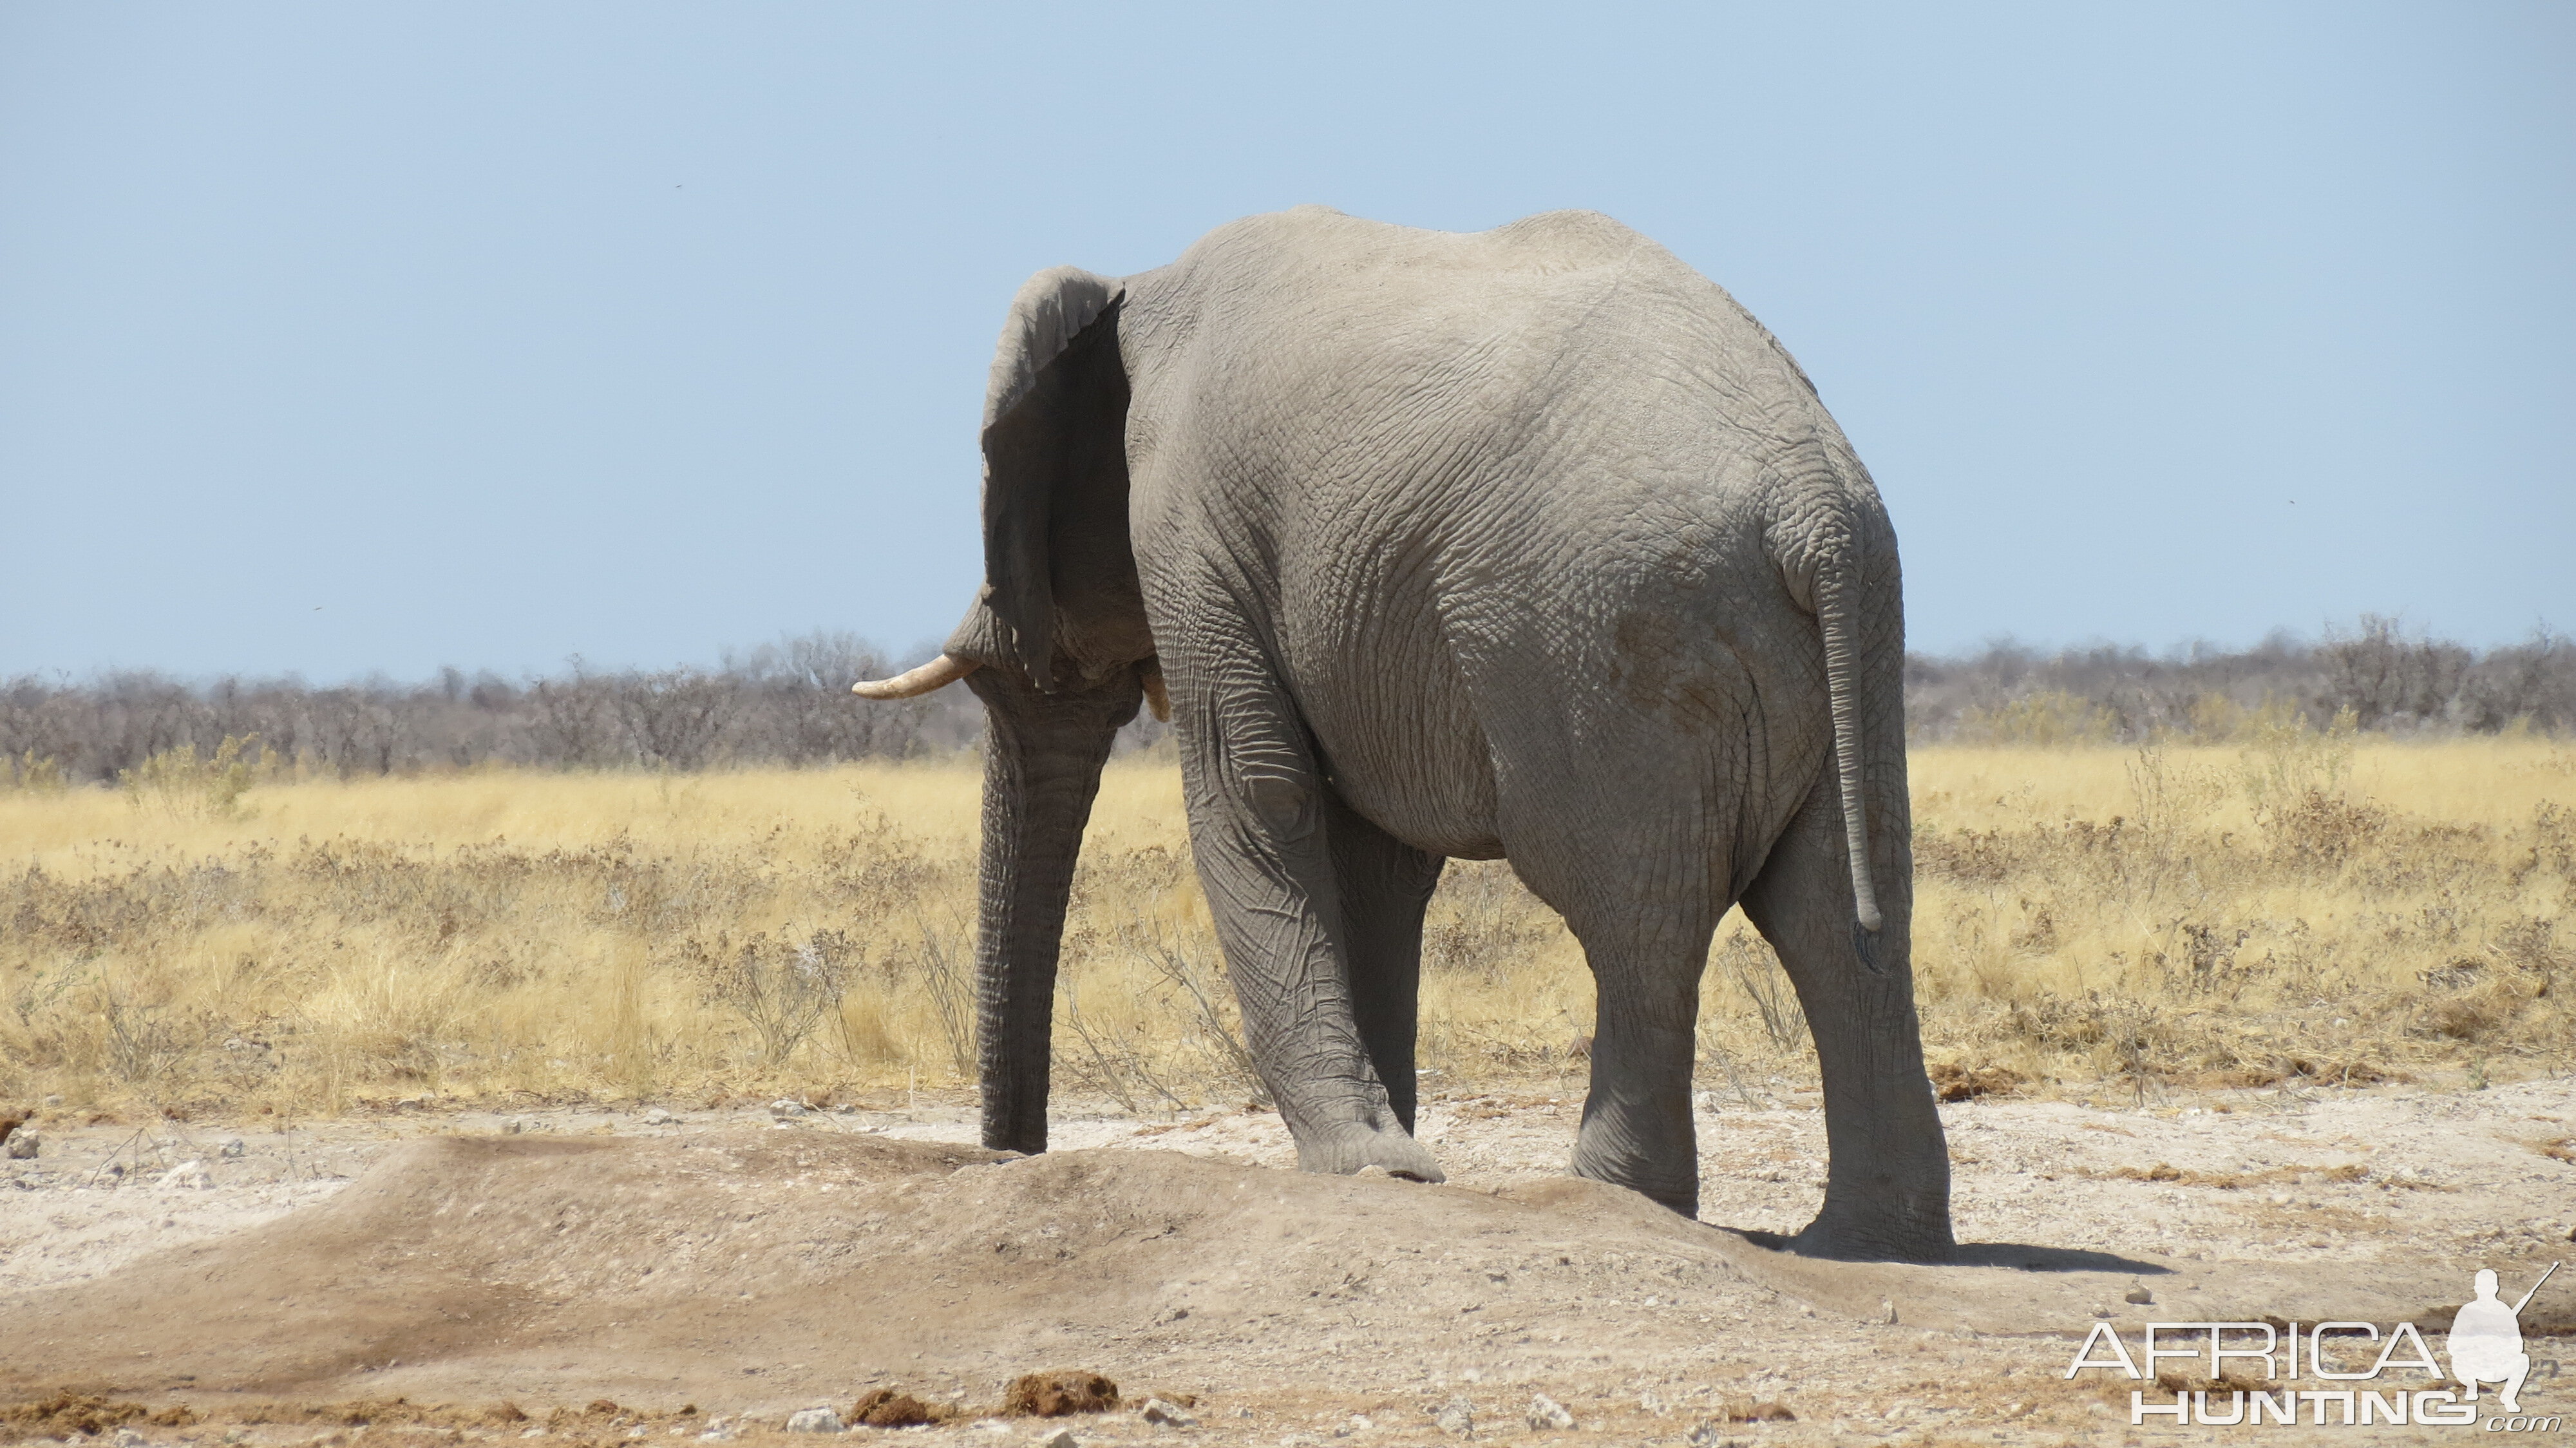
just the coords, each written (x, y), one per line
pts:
(755, 1270)
(779, 1264)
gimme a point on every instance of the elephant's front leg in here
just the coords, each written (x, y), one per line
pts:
(1260, 828)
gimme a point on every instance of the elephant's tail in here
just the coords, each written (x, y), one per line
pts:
(1837, 586)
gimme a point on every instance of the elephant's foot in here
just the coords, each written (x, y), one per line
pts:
(1679, 1195)
(1345, 1150)
(1886, 1233)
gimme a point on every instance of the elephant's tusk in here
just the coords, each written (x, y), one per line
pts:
(939, 673)
(1157, 698)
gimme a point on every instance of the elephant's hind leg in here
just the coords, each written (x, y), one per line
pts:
(1887, 1186)
(1637, 1130)
(1629, 864)
(1384, 885)
(1260, 827)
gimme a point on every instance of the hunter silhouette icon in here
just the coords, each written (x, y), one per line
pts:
(2486, 1341)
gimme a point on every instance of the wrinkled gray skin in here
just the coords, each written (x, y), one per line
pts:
(1529, 544)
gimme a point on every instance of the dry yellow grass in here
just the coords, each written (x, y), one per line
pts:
(2091, 919)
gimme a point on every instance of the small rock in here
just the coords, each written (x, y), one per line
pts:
(1359, 1423)
(513, 1126)
(128, 1438)
(1060, 1438)
(1711, 1435)
(814, 1420)
(191, 1174)
(54, 1100)
(2141, 1296)
(1455, 1416)
(22, 1144)
(1167, 1415)
(658, 1117)
(1887, 1312)
(1547, 1412)
(786, 1106)
(232, 1148)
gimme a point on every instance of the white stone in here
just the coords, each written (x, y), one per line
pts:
(814, 1420)
(1060, 1438)
(22, 1145)
(190, 1174)
(1547, 1412)
(1167, 1415)
(1455, 1416)
(232, 1148)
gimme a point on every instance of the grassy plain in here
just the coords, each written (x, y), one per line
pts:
(2095, 921)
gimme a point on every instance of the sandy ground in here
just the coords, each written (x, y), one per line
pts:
(747, 1266)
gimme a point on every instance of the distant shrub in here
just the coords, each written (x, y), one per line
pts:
(27, 772)
(177, 782)
(2050, 718)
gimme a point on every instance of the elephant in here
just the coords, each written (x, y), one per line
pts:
(1528, 544)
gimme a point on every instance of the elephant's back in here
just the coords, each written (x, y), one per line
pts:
(1279, 267)
(1549, 242)
(1519, 332)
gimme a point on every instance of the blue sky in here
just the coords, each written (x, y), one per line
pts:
(338, 339)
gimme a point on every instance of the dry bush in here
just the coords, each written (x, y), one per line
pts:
(2300, 906)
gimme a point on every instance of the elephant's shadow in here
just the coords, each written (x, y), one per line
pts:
(2019, 1256)
(2013, 1288)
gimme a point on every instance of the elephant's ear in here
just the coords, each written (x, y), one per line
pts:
(1058, 571)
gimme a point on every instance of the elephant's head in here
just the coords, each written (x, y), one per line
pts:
(1057, 647)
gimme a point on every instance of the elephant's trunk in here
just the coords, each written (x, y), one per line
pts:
(1041, 771)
